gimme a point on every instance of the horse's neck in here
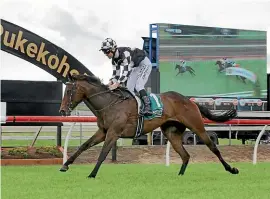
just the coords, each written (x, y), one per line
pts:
(100, 101)
(88, 104)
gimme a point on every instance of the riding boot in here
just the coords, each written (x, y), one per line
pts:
(147, 103)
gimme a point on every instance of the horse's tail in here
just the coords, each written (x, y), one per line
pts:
(223, 117)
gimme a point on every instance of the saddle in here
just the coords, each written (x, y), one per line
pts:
(123, 92)
(156, 106)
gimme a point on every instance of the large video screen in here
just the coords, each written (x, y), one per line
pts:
(212, 61)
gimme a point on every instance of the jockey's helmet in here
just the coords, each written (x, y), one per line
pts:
(108, 45)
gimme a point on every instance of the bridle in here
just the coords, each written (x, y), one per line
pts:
(70, 104)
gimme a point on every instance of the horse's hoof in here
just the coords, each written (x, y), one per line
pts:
(91, 176)
(64, 168)
(234, 170)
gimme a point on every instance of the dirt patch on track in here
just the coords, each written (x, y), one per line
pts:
(146, 154)
(156, 154)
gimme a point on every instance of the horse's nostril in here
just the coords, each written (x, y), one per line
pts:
(63, 113)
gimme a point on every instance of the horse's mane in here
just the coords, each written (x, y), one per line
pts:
(89, 79)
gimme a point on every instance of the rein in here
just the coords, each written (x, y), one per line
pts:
(121, 97)
(111, 104)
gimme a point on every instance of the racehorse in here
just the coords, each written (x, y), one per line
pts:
(117, 116)
(223, 66)
(220, 65)
(182, 69)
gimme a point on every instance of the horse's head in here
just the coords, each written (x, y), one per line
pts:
(73, 95)
(176, 66)
(78, 88)
(218, 62)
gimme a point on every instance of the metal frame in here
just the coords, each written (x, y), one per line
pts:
(154, 28)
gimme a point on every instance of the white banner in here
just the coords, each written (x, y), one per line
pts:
(210, 101)
(244, 102)
(241, 72)
(218, 101)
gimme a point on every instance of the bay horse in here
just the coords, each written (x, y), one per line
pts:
(182, 70)
(220, 65)
(117, 116)
(223, 66)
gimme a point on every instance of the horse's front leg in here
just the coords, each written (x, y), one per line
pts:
(97, 138)
(110, 140)
(220, 69)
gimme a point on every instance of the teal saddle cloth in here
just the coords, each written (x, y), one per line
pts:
(156, 106)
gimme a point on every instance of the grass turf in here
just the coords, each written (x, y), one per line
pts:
(136, 181)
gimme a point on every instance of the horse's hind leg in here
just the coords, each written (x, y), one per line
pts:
(175, 137)
(192, 71)
(201, 132)
(243, 79)
(194, 122)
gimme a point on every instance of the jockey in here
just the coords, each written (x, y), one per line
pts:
(136, 69)
(228, 61)
(183, 63)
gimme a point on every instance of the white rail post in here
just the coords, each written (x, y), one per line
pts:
(66, 142)
(167, 155)
(257, 143)
(194, 139)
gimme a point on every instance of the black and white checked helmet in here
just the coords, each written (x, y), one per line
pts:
(108, 44)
